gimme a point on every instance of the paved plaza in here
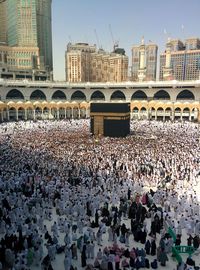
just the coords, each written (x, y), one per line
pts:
(67, 194)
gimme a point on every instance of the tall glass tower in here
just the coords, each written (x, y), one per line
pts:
(44, 31)
(21, 23)
(28, 24)
(3, 35)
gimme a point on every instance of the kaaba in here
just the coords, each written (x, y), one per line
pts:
(110, 119)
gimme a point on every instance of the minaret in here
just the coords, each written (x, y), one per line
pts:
(142, 69)
(167, 71)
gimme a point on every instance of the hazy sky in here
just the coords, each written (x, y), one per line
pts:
(76, 21)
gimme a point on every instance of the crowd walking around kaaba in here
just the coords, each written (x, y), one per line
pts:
(71, 201)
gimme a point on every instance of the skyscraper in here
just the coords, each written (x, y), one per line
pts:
(3, 22)
(27, 24)
(181, 61)
(44, 32)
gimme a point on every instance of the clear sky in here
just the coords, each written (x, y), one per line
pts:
(76, 21)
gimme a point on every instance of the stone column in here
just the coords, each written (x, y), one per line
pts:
(33, 114)
(155, 114)
(72, 113)
(17, 116)
(25, 114)
(65, 113)
(58, 114)
(173, 114)
(190, 115)
(2, 115)
(8, 114)
(198, 115)
(79, 113)
(148, 111)
(49, 113)
(88, 112)
(164, 115)
(139, 116)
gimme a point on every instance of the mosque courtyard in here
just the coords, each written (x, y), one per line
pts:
(55, 176)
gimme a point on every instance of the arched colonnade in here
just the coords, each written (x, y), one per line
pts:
(42, 110)
(17, 106)
(73, 110)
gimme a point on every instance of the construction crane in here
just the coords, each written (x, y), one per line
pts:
(95, 32)
(115, 42)
(70, 39)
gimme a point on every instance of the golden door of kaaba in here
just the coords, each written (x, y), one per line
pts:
(98, 125)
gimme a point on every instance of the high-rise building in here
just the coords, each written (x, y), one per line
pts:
(21, 23)
(26, 26)
(77, 62)
(181, 61)
(3, 35)
(44, 32)
(84, 63)
(144, 62)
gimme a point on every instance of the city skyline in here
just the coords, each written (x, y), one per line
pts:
(77, 22)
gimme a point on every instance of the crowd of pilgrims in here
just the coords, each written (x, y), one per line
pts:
(79, 202)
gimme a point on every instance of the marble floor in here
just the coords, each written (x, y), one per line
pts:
(58, 263)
